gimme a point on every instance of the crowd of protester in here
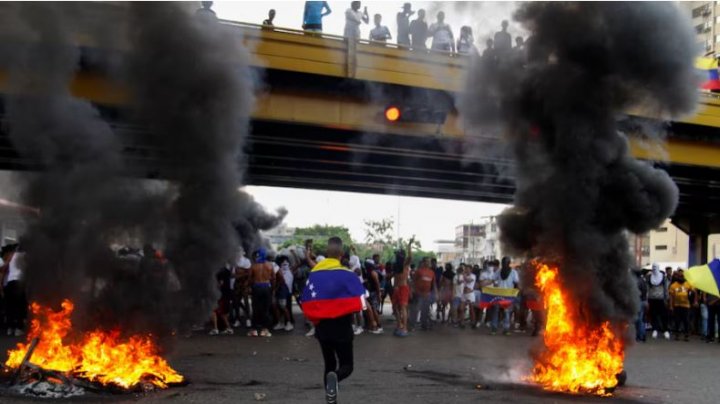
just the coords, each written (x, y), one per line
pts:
(418, 298)
(669, 305)
(411, 34)
(259, 294)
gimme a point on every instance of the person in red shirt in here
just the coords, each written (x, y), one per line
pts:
(425, 288)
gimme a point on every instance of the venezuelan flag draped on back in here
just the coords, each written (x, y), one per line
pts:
(331, 291)
(500, 296)
(705, 277)
(709, 67)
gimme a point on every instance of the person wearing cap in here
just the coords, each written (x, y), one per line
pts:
(403, 25)
(261, 281)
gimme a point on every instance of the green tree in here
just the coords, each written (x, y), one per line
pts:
(319, 234)
(380, 240)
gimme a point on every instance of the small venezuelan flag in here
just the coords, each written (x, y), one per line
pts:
(709, 66)
(331, 291)
(500, 296)
(705, 277)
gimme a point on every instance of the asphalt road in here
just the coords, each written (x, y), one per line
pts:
(445, 365)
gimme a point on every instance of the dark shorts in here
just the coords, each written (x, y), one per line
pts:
(374, 301)
(314, 27)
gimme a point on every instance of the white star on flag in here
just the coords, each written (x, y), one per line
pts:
(314, 294)
(312, 287)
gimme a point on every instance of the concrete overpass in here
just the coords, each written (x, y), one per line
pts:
(318, 124)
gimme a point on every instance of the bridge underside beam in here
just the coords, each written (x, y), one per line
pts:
(306, 156)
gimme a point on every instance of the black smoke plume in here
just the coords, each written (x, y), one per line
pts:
(83, 200)
(192, 91)
(577, 187)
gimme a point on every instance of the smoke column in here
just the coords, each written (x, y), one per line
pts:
(577, 187)
(194, 90)
(82, 199)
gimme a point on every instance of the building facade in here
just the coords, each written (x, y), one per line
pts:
(279, 235)
(476, 242)
(706, 23)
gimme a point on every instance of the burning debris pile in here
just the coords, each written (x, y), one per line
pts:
(93, 360)
(197, 113)
(577, 187)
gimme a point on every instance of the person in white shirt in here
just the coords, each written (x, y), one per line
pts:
(353, 19)
(487, 273)
(442, 36)
(14, 290)
(505, 278)
(468, 300)
(241, 299)
(283, 294)
(459, 286)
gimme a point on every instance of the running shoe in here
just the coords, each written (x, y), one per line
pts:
(214, 331)
(331, 388)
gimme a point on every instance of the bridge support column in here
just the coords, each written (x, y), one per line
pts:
(698, 250)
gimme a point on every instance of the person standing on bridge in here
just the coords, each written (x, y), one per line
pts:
(313, 15)
(331, 296)
(465, 44)
(380, 33)
(419, 31)
(353, 19)
(205, 12)
(503, 40)
(270, 19)
(442, 35)
(403, 25)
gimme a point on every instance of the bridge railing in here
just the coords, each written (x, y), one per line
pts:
(333, 55)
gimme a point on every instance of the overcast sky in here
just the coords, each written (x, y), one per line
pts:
(483, 17)
(428, 219)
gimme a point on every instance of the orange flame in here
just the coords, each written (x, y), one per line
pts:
(99, 356)
(577, 357)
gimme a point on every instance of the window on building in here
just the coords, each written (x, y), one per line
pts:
(703, 28)
(662, 230)
(645, 250)
(701, 11)
(660, 247)
(493, 227)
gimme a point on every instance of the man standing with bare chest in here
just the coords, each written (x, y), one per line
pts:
(261, 283)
